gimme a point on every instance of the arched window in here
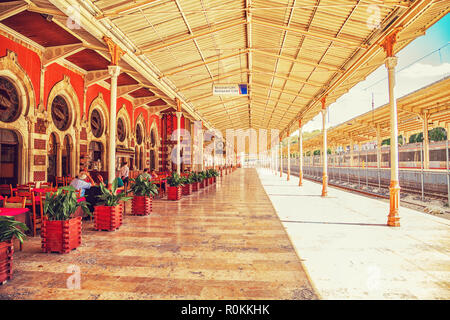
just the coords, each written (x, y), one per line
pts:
(9, 101)
(60, 112)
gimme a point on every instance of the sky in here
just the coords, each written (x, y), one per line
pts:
(419, 64)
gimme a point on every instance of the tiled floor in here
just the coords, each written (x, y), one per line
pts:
(348, 250)
(223, 242)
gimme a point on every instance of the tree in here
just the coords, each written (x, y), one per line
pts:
(317, 152)
(437, 134)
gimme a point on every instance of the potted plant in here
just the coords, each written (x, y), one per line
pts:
(196, 179)
(61, 231)
(214, 175)
(175, 183)
(208, 177)
(187, 184)
(202, 177)
(9, 228)
(108, 215)
(143, 190)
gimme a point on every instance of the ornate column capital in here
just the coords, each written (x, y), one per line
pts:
(179, 114)
(114, 50)
(391, 62)
(114, 71)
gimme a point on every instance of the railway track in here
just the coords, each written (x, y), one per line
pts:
(380, 195)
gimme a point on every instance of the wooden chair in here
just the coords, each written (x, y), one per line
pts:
(31, 185)
(15, 202)
(32, 201)
(60, 181)
(6, 190)
(45, 185)
(21, 189)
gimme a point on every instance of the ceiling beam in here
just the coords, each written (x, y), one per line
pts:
(311, 34)
(7, 10)
(289, 78)
(218, 103)
(119, 12)
(95, 76)
(304, 61)
(282, 91)
(124, 90)
(214, 79)
(154, 46)
(190, 66)
(52, 54)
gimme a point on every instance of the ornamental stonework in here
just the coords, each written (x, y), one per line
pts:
(39, 126)
(39, 160)
(39, 176)
(39, 144)
(83, 134)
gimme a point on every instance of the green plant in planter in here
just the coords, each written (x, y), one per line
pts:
(143, 187)
(213, 173)
(109, 198)
(208, 173)
(175, 180)
(62, 204)
(196, 177)
(187, 180)
(202, 175)
(10, 228)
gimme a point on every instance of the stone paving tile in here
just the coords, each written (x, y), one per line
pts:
(223, 242)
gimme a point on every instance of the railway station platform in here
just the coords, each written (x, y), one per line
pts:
(350, 252)
(222, 242)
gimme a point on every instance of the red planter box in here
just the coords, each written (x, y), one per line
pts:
(141, 205)
(206, 182)
(61, 236)
(202, 184)
(214, 179)
(211, 180)
(174, 193)
(107, 218)
(195, 186)
(6, 260)
(187, 189)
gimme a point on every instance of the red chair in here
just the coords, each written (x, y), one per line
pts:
(60, 181)
(46, 185)
(21, 189)
(31, 185)
(6, 190)
(15, 202)
(31, 200)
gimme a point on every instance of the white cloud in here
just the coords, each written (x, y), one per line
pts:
(421, 70)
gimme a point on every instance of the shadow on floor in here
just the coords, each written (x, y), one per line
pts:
(344, 223)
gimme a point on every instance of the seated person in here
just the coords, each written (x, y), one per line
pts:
(145, 174)
(92, 194)
(154, 174)
(79, 183)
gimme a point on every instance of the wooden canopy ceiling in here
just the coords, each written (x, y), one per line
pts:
(290, 53)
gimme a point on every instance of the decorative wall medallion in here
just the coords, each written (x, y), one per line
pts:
(96, 124)
(60, 113)
(9, 101)
(121, 130)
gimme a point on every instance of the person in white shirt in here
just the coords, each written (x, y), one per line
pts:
(124, 172)
(79, 183)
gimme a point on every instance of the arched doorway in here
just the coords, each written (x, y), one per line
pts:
(9, 157)
(66, 157)
(52, 155)
(95, 155)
